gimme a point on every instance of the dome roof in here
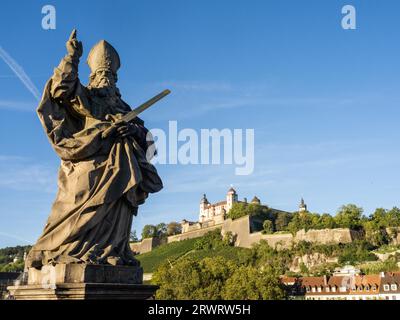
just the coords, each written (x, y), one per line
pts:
(231, 190)
(204, 199)
(255, 200)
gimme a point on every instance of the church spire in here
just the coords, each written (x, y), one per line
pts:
(302, 206)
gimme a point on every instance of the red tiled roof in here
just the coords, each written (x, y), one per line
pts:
(312, 281)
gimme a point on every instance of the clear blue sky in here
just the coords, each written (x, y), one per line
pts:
(324, 102)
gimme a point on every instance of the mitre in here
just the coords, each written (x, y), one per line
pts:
(103, 55)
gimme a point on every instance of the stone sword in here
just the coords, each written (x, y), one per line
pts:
(135, 112)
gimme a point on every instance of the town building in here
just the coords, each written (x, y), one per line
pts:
(383, 286)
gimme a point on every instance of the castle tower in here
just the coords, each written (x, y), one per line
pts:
(302, 206)
(255, 200)
(203, 208)
(231, 198)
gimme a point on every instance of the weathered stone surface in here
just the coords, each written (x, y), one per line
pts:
(394, 234)
(311, 261)
(105, 172)
(327, 236)
(81, 291)
(80, 281)
(82, 273)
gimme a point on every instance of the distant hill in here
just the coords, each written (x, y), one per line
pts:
(187, 248)
(7, 256)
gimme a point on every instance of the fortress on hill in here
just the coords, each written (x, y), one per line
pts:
(245, 230)
(211, 214)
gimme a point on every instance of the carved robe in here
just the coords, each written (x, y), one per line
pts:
(101, 182)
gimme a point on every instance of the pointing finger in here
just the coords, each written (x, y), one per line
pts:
(73, 35)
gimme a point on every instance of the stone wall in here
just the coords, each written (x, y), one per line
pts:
(241, 227)
(146, 245)
(192, 234)
(327, 236)
(244, 238)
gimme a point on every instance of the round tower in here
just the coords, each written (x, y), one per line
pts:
(302, 206)
(203, 208)
(231, 198)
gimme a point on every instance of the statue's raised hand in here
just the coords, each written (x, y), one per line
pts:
(74, 47)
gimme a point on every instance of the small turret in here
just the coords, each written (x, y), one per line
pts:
(231, 198)
(255, 200)
(203, 207)
(302, 206)
(204, 200)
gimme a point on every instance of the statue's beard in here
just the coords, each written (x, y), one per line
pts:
(104, 88)
(106, 91)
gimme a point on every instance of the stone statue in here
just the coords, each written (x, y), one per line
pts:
(101, 181)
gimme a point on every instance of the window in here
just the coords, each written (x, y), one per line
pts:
(327, 289)
(386, 287)
(313, 289)
(367, 288)
(393, 297)
(333, 289)
(393, 287)
(374, 288)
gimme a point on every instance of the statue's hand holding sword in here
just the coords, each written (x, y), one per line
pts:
(117, 121)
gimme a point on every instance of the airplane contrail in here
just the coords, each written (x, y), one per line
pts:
(20, 73)
(14, 237)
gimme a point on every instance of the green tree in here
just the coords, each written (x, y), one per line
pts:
(326, 221)
(282, 220)
(355, 252)
(303, 269)
(250, 283)
(211, 240)
(149, 231)
(386, 218)
(262, 255)
(133, 237)
(268, 227)
(375, 234)
(161, 230)
(189, 279)
(303, 220)
(152, 231)
(349, 216)
(241, 209)
(174, 228)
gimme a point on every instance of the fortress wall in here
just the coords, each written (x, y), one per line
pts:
(283, 240)
(135, 246)
(146, 245)
(327, 236)
(240, 228)
(192, 234)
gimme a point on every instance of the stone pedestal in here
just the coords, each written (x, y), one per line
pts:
(79, 281)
